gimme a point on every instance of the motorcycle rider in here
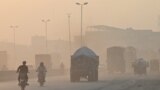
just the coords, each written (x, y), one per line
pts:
(41, 71)
(62, 67)
(23, 70)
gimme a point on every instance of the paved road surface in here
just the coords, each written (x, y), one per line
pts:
(105, 83)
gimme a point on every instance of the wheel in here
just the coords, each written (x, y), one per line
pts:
(90, 76)
(96, 75)
(74, 76)
(41, 84)
(41, 80)
(77, 76)
(22, 87)
(93, 75)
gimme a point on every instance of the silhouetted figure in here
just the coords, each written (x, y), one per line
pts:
(62, 67)
(41, 72)
(23, 70)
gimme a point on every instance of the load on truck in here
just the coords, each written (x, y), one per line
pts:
(140, 66)
(84, 64)
(45, 58)
(115, 60)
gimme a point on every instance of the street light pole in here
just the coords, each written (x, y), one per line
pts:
(82, 4)
(46, 30)
(69, 28)
(14, 35)
(81, 25)
(14, 39)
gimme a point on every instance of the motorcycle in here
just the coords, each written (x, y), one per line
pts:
(23, 82)
(41, 79)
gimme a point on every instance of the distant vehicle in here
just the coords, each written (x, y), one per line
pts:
(130, 56)
(84, 64)
(46, 58)
(154, 66)
(140, 66)
(115, 59)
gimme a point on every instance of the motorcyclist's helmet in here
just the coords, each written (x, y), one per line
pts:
(24, 62)
(41, 64)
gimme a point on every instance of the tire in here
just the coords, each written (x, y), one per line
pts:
(96, 75)
(93, 76)
(77, 76)
(41, 84)
(22, 88)
(74, 76)
(23, 83)
(90, 76)
(41, 80)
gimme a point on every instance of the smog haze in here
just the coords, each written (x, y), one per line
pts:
(27, 14)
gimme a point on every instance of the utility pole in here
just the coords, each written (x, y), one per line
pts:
(46, 32)
(69, 32)
(81, 5)
(14, 40)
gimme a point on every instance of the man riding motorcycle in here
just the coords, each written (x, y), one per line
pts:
(41, 71)
(23, 70)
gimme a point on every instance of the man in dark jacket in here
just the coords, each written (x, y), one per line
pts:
(23, 70)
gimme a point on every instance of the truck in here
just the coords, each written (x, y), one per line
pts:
(140, 66)
(130, 57)
(115, 59)
(84, 64)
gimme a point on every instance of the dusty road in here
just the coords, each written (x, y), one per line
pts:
(119, 82)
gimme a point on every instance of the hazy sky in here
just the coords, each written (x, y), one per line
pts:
(27, 14)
